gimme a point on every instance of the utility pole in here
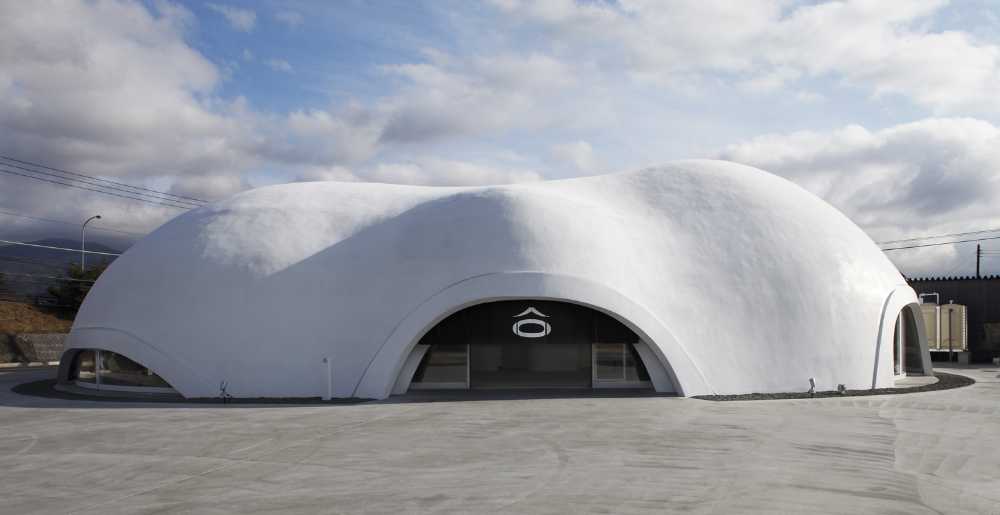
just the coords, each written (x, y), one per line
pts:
(979, 257)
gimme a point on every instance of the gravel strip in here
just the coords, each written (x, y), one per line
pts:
(47, 388)
(945, 382)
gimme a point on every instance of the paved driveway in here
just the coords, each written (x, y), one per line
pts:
(916, 453)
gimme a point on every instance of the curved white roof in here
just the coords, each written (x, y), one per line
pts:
(739, 280)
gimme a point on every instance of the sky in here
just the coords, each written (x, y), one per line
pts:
(887, 109)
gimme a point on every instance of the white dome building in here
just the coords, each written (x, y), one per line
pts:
(698, 277)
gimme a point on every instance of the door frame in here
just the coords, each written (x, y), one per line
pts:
(596, 383)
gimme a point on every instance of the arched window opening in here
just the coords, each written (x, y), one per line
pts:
(107, 370)
(528, 344)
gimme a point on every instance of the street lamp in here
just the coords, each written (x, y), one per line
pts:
(83, 243)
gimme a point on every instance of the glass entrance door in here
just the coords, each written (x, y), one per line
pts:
(444, 367)
(617, 365)
(529, 343)
(609, 362)
(530, 365)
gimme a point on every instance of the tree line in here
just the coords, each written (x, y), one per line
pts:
(70, 294)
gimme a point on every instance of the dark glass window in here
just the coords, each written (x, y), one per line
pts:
(120, 371)
(443, 364)
(618, 362)
(104, 367)
(83, 367)
(529, 343)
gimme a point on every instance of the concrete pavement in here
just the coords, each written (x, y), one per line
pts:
(915, 453)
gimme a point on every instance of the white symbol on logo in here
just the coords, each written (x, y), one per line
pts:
(544, 327)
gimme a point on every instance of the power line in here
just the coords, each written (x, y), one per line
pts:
(58, 248)
(952, 235)
(92, 228)
(102, 188)
(77, 174)
(941, 243)
(95, 183)
(10, 172)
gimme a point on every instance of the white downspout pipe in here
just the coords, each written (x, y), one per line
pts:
(329, 378)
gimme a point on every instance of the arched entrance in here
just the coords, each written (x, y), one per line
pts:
(392, 367)
(530, 343)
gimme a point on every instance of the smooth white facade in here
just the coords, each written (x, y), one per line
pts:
(739, 281)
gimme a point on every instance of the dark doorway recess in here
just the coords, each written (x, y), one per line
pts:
(530, 344)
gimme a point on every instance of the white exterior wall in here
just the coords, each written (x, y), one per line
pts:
(739, 280)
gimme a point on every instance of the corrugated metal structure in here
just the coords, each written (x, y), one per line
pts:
(954, 328)
(932, 323)
(981, 300)
(947, 327)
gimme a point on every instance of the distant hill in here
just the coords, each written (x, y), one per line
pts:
(22, 265)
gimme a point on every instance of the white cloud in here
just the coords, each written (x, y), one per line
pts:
(280, 65)
(326, 173)
(809, 97)
(319, 137)
(239, 19)
(214, 186)
(138, 103)
(100, 87)
(113, 89)
(885, 46)
(291, 18)
(935, 176)
(771, 81)
(443, 172)
(452, 97)
(423, 171)
(578, 154)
